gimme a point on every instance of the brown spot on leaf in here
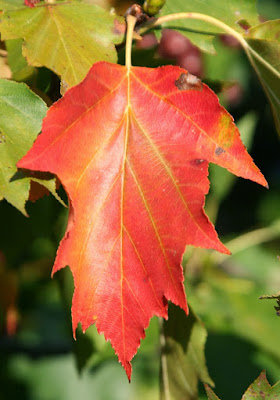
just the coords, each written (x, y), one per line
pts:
(188, 82)
(219, 151)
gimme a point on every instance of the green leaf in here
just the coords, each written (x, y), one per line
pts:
(264, 54)
(261, 389)
(232, 305)
(228, 11)
(11, 4)
(183, 359)
(21, 114)
(210, 394)
(19, 67)
(65, 37)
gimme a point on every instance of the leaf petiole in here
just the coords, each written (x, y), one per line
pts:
(201, 17)
(131, 21)
(164, 368)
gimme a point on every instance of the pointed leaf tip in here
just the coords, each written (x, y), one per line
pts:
(128, 370)
(261, 388)
(210, 393)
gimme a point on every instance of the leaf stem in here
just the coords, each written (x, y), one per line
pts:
(201, 17)
(164, 368)
(248, 240)
(131, 21)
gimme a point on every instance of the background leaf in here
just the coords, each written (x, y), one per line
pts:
(19, 126)
(210, 394)
(11, 4)
(65, 37)
(21, 114)
(18, 64)
(264, 39)
(228, 11)
(261, 389)
(185, 338)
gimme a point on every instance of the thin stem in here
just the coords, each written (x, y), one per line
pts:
(131, 21)
(207, 18)
(248, 240)
(164, 368)
(201, 17)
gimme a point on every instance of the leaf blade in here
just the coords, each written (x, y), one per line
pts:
(264, 53)
(185, 339)
(20, 122)
(210, 393)
(124, 172)
(62, 36)
(202, 33)
(260, 388)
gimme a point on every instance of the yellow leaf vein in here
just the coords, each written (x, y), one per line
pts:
(153, 223)
(142, 264)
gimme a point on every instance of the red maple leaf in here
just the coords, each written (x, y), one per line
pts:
(131, 149)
